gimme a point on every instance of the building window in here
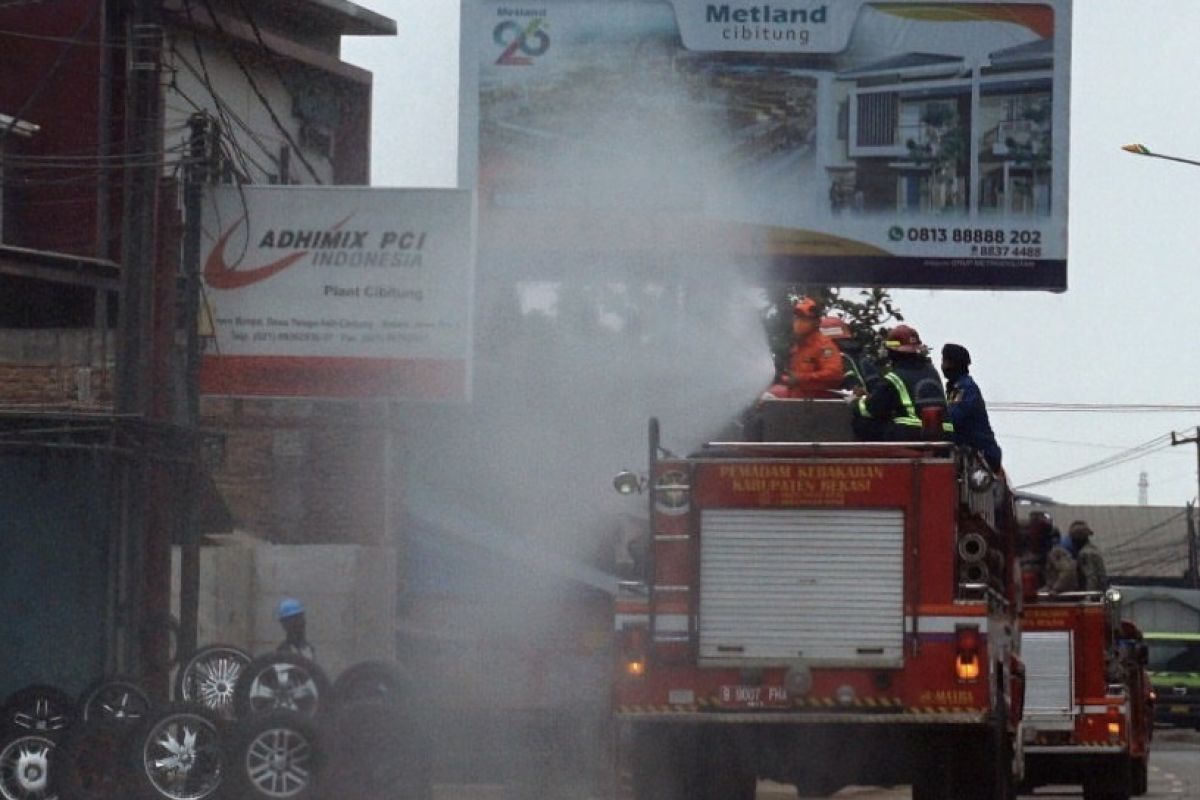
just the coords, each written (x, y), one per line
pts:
(878, 115)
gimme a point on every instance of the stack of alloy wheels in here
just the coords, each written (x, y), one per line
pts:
(241, 728)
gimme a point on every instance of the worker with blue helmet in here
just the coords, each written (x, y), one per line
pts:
(290, 613)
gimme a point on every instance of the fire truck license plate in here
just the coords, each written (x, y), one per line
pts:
(753, 697)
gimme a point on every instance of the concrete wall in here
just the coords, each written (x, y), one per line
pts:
(349, 592)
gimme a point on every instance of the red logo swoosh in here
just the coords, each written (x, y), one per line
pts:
(219, 275)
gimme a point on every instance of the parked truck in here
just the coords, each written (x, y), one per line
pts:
(821, 613)
(1089, 708)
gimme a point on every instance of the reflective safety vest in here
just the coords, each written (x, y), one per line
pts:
(910, 417)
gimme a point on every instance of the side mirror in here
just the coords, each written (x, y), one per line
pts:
(628, 482)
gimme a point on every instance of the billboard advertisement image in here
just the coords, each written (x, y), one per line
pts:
(337, 292)
(843, 142)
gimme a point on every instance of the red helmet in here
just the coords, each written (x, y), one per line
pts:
(807, 308)
(904, 339)
(835, 328)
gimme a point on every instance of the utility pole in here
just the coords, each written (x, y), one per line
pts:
(143, 132)
(1193, 576)
(195, 176)
(146, 548)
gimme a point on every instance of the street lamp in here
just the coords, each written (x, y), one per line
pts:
(1142, 150)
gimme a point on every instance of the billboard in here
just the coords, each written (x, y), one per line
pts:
(840, 142)
(337, 292)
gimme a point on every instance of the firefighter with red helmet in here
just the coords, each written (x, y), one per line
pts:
(814, 365)
(858, 370)
(908, 403)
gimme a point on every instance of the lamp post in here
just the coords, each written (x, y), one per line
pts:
(1142, 150)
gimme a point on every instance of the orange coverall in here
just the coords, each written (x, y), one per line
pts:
(816, 366)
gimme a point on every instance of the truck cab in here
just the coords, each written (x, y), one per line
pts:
(1174, 668)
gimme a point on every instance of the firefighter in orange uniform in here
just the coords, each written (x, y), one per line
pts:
(814, 363)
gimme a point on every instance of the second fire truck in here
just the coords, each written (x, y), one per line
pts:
(1089, 714)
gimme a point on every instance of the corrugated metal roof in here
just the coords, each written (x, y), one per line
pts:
(1143, 541)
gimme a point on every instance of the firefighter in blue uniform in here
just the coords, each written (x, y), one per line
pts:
(967, 410)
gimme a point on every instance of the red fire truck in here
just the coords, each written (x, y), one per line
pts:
(1088, 712)
(821, 613)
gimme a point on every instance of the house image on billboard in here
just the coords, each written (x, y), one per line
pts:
(929, 133)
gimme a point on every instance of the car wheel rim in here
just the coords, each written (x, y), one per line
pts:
(24, 768)
(122, 704)
(182, 757)
(43, 715)
(284, 686)
(212, 682)
(279, 762)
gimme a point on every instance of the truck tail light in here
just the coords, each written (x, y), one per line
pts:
(633, 651)
(1116, 722)
(966, 660)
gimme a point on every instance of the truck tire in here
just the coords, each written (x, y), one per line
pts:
(39, 708)
(282, 681)
(1114, 781)
(1139, 777)
(371, 680)
(116, 698)
(377, 752)
(177, 753)
(276, 756)
(932, 780)
(723, 770)
(210, 676)
(90, 763)
(664, 763)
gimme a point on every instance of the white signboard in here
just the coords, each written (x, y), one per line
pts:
(846, 142)
(337, 292)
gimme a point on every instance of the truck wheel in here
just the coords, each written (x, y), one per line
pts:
(378, 753)
(276, 756)
(1139, 777)
(664, 763)
(370, 680)
(723, 771)
(90, 762)
(281, 681)
(120, 699)
(177, 753)
(44, 709)
(1112, 783)
(932, 781)
(25, 765)
(209, 677)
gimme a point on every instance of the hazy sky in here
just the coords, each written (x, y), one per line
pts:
(1124, 332)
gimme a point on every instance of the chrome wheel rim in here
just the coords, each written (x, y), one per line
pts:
(42, 716)
(182, 757)
(118, 702)
(24, 768)
(211, 680)
(279, 762)
(284, 686)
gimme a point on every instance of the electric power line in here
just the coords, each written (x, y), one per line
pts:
(1116, 408)
(1138, 451)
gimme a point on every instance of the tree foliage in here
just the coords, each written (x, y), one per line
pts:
(866, 311)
